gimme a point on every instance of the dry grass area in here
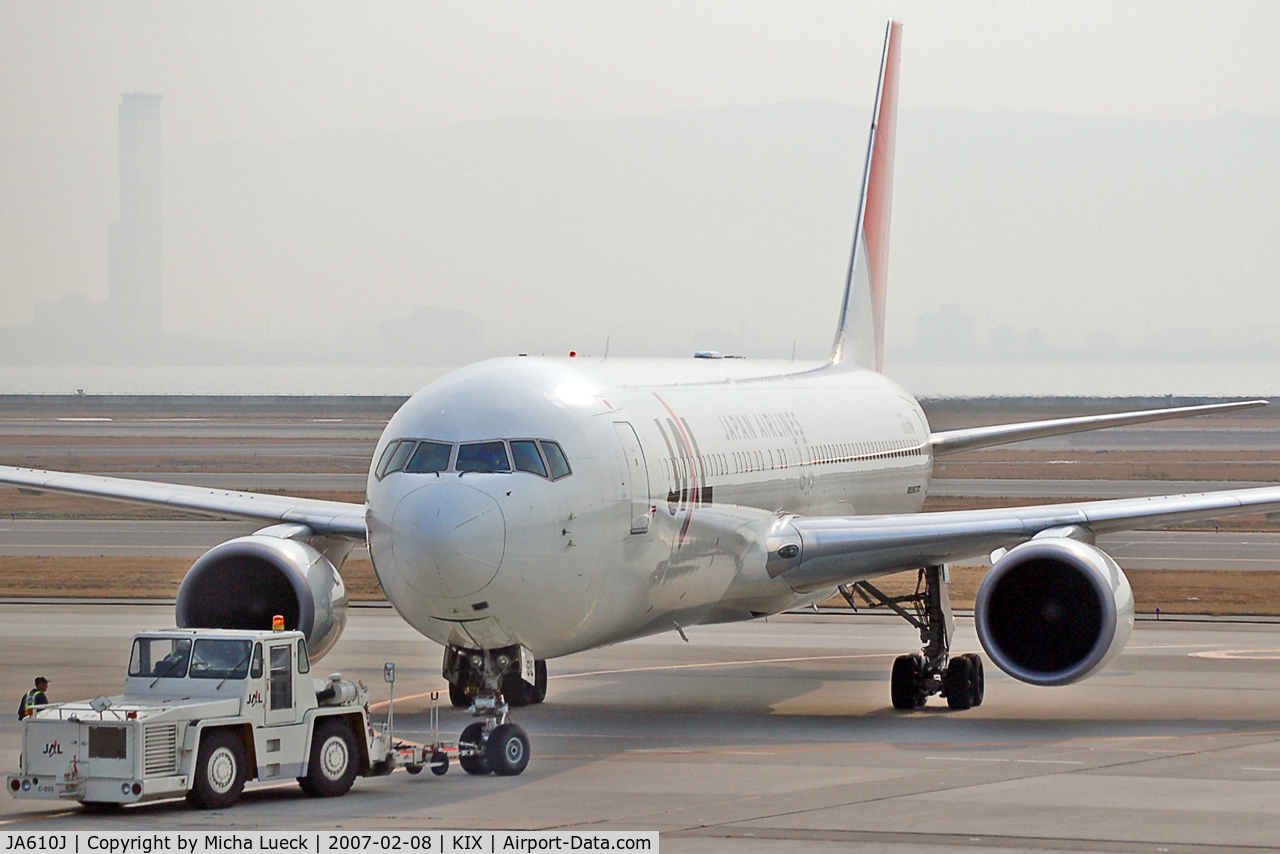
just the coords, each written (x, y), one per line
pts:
(52, 505)
(1216, 592)
(175, 454)
(132, 577)
(1172, 591)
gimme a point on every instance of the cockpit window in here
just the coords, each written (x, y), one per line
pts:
(527, 458)
(394, 460)
(555, 458)
(430, 456)
(381, 470)
(483, 456)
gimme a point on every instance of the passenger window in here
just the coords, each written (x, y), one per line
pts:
(484, 457)
(430, 456)
(255, 668)
(304, 658)
(528, 459)
(555, 459)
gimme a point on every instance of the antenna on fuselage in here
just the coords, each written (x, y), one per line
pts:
(862, 312)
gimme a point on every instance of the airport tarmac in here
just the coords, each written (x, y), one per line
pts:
(775, 736)
(190, 539)
(1077, 490)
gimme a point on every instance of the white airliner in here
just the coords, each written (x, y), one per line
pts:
(522, 509)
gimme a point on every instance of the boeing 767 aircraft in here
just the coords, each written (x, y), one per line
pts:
(522, 509)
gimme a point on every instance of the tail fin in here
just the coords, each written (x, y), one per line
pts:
(860, 334)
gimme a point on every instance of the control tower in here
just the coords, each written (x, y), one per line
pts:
(134, 241)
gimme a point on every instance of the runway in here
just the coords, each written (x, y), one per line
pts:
(190, 539)
(763, 737)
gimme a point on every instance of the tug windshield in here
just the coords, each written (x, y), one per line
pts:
(160, 657)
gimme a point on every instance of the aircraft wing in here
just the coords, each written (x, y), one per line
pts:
(837, 549)
(968, 439)
(334, 518)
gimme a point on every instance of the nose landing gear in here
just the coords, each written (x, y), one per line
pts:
(931, 671)
(481, 679)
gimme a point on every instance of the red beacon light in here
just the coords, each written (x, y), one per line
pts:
(277, 623)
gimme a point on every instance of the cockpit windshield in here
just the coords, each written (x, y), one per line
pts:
(430, 456)
(483, 456)
(540, 457)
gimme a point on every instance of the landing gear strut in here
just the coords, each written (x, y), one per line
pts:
(481, 679)
(464, 684)
(931, 671)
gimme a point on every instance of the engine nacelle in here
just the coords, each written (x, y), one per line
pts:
(1053, 611)
(243, 583)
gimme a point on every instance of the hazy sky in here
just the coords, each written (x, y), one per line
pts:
(250, 70)
(278, 72)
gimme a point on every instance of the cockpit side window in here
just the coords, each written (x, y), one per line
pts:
(556, 459)
(381, 470)
(483, 457)
(430, 456)
(527, 457)
(396, 459)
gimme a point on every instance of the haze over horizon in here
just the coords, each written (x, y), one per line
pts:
(669, 178)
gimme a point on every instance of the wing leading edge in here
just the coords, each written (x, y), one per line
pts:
(972, 438)
(838, 549)
(333, 518)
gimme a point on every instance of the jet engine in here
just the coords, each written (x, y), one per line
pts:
(1053, 610)
(243, 583)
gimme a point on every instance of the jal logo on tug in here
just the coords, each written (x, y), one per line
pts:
(53, 748)
(254, 699)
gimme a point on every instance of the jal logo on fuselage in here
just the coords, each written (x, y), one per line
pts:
(53, 748)
(254, 699)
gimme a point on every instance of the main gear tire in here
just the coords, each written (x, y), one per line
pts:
(906, 686)
(957, 683)
(978, 687)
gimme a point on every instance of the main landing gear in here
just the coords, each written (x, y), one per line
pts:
(931, 671)
(489, 682)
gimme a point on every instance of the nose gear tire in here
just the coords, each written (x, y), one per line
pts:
(507, 750)
(471, 750)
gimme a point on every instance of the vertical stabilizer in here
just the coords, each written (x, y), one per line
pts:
(860, 334)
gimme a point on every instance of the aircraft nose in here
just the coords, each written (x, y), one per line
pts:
(447, 539)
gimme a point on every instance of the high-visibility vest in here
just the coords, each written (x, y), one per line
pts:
(28, 702)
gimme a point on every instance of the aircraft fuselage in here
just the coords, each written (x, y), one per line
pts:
(680, 468)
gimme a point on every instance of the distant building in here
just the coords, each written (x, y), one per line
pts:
(134, 294)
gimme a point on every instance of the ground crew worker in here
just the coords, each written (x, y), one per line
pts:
(34, 697)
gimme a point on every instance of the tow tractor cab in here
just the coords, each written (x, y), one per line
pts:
(204, 710)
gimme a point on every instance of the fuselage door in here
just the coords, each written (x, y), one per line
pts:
(636, 472)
